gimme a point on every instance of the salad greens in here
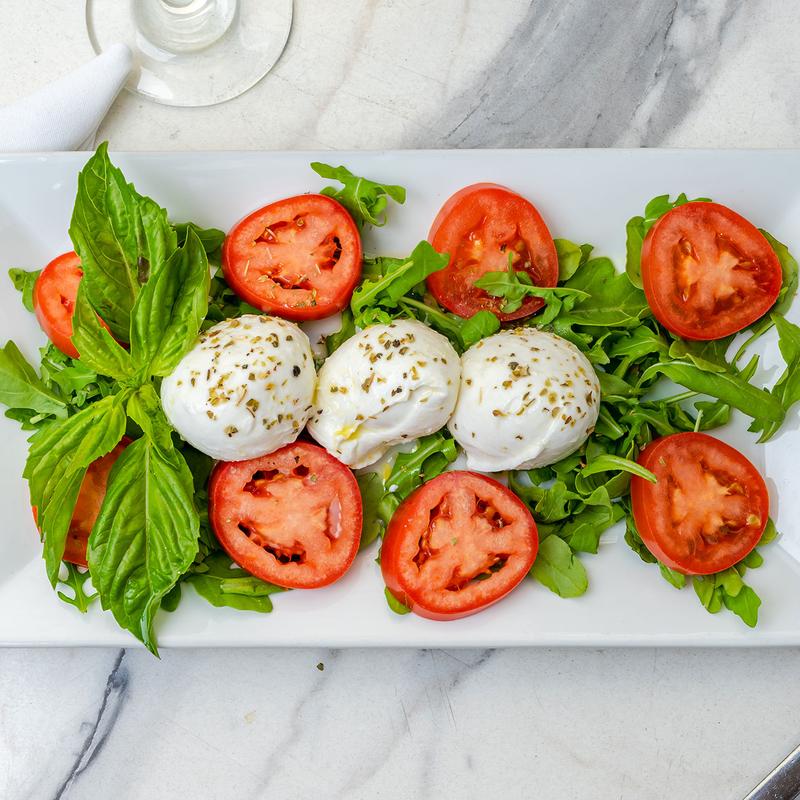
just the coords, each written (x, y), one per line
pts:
(158, 284)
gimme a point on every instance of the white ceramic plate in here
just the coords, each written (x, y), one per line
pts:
(584, 195)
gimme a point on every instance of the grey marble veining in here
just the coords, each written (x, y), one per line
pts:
(545, 724)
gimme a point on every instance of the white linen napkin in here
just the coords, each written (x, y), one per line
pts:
(66, 114)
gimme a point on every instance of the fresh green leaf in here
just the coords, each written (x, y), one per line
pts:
(145, 537)
(770, 533)
(364, 199)
(76, 582)
(634, 541)
(395, 604)
(744, 604)
(166, 317)
(120, 237)
(478, 326)
(372, 490)
(171, 600)
(790, 276)
(24, 281)
(347, 329)
(677, 579)
(144, 408)
(710, 595)
(582, 531)
(557, 568)
(611, 463)
(224, 584)
(570, 257)
(210, 238)
(58, 457)
(727, 387)
(21, 387)
(95, 345)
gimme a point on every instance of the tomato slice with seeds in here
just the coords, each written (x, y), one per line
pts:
(87, 508)
(707, 272)
(708, 509)
(299, 258)
(292, 518)
(456, 545)
(479, 227)
(54, 296)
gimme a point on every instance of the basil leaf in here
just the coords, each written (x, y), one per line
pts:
(57, 460)
(729, 388)
(224, 584)
(95, 345)
(365, 200)
(169, 310)
(21, 387)
(145, 537)
(372, 489)
(156, 238)
(144, 408)
(395, 604)
(557, 568)
(105, 232)
(24, 281)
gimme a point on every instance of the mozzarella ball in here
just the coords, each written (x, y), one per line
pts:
(244, 390)
(385, 385)
(528, 399)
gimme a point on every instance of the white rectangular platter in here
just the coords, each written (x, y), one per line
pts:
(584, 195)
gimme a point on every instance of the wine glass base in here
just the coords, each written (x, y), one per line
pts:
(222, 70)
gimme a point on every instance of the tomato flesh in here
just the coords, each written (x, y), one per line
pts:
(456, 545)
(292, 518)
(87, 508)
(299, 258)
(707, 272)
(480, 227)
(708, 509)
(54, 296)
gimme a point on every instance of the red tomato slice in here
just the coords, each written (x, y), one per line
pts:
(299, 258)
(707, 272)
(456, 545)
(708, 509)
(54, 296)
(478, 227)
(90, 499)
(292, 518)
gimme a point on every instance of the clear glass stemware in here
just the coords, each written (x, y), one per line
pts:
(193, 52)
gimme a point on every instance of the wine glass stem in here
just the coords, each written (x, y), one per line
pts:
(180, 26)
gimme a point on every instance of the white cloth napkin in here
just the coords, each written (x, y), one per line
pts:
(66, 114)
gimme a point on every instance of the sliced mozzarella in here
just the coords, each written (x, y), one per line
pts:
(385, 385)
(527, 399)
(244, 390)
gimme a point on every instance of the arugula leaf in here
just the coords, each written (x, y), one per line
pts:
(347, 329)
(365, 200)
(401, 276)
(727, 387)
(372, 490)
(570, 257)
(557, 568)
(95, 345)
(145, 537)
(790, 275)
(478, 326)
(677, 579)
(119, 236)
(224, 584)
(73, 380)
(24, 281)
(21, 387)
(608, 462)
(394, 604)
(167, 314)
(744, 604)
(58, 457)
(225, 303)
(786, 390)
(461, 332)
(76, 581)
(514, 286)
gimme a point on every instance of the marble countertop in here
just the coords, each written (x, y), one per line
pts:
(551, 724)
